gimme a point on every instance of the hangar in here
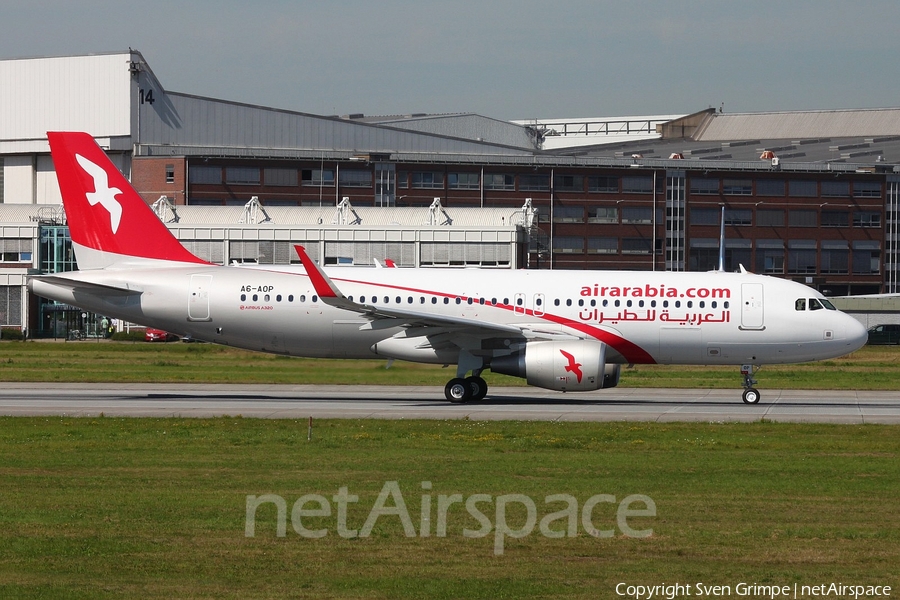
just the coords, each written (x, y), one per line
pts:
(811, 196)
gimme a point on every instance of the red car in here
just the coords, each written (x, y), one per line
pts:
(158, 335)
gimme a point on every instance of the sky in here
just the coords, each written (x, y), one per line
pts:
(507, 59)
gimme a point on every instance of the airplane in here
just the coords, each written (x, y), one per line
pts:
(559, 330)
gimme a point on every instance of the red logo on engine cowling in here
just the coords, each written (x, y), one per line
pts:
(572, 367)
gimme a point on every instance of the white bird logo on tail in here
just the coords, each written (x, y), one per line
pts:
(102, 194)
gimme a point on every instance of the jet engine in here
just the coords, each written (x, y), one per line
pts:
(570, 366)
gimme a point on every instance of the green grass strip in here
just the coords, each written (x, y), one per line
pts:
(872, 368)
(155, 508)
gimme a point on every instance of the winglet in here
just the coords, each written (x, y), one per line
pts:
(109, 222)
(323, 285)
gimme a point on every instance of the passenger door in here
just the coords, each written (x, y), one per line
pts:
(752, 306)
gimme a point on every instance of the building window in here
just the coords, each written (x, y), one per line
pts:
(866, 189)
(835, 257)
(356, 178)
(568, 214)
(802, 218)
(499, 181)
(637, 185)
(604, 185)
(770, 257)
(11, 305)
(767, 217)
(703, 254)
(636, 246)
(737, 187)
(602, 245)
(705, 216)
(569, 183)
(462, 181)
(738, 216)
(13, 250)
(427, 180)
(770, 187)
(206, 175)
(866, 257)
(637, 215)
(242, 175)
(534, 183)
(835, 218)
(170, 173)
(867, 218)
(835, 189)
(280, 177)
(704, 186)
(802, 189)
(459, 254)
(602, 214)
(568, 244)
(801, 257)
(317, 177)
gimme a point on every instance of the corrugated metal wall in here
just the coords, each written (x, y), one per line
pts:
(72, 93)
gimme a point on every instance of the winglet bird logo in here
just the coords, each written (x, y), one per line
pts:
(102, 194)
(573, 367)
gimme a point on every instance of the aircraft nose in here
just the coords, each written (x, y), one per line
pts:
(857, 335)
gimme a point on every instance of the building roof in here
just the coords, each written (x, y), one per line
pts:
(462, 125)
(813, 140)
(802, 125)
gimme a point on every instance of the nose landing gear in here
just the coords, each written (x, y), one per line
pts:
(751, 394)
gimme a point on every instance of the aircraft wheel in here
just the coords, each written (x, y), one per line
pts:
(751, 396)
(458, 390)
(479, 387)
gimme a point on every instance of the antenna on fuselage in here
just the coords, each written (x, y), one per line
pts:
(722, 241)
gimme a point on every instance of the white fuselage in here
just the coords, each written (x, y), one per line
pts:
(643, 317)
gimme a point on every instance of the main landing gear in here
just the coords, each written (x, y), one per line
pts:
(751, 394)
(459, 390)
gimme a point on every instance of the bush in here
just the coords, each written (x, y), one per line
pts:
(11, 333)
(128, 336)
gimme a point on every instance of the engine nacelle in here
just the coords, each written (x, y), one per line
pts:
(571, 366)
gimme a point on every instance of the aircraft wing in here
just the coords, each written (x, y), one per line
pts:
(417, 323)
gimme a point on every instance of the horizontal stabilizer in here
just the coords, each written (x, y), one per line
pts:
(99, 289)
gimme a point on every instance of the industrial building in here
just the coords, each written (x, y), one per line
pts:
(811, 196)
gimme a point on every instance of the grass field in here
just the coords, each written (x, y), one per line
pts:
(156, 508)
(872, 368)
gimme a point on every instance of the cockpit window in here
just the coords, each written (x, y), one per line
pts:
(800, 304)
(815, 304)
(827, 304)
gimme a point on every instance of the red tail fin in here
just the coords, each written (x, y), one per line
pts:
(109, 222)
